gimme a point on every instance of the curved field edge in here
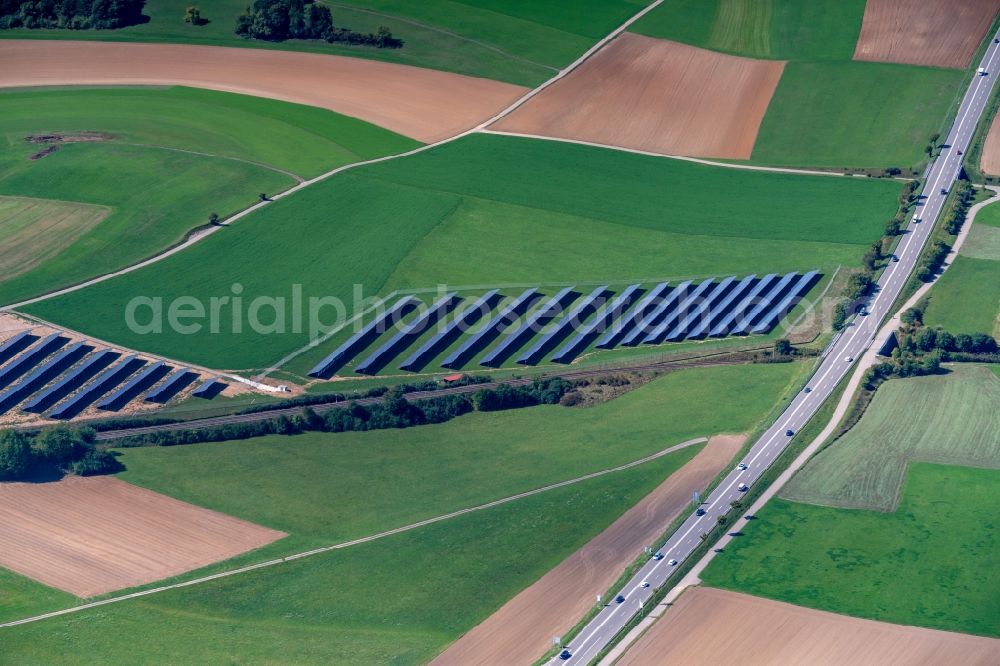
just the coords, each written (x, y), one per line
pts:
(167, 158)
(924, 564)
(372, 219)
(948, 419)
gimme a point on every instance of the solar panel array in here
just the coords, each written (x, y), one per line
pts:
(567, 323)
(50, 376)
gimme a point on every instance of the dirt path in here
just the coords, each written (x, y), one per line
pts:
(522, 630)
(709, 626)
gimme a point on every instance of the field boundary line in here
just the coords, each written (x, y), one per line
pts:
(367, 539)
(297, 178)
(682, 158)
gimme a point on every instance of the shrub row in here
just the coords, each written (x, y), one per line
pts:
(278, 20)
(70, 450)
(70, 14)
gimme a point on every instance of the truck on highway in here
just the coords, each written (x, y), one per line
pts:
(982, 71)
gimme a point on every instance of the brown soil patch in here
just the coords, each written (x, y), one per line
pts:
(522, 630)
(79, 137)
(939, 33)
(989, 163)
(709, 626)
(93, 535)
(656, 95)
(423, 104)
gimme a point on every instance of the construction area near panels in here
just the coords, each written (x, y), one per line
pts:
(54, 377)
(531, 326)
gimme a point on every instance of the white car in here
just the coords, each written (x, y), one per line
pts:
(742, 487)
(658, 556)
(849, 359)
(741, 466)
(672, 563)
(644, 583)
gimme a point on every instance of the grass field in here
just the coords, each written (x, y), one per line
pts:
(852, 114)
(928, 564)
(966, 299)
(33, 230)
(399, 600)
(492, 192)
(509, 40)
(948, 419)
(390, 478)
(168, 158)
(779, 29)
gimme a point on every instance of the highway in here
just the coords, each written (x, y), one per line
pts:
(838, 361)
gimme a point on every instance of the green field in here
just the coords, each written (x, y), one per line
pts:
(930, 563)
(380, 227)
(404, 598)
(983, 242)
(778, 29)
(389, 478)
(854, 114)
(169, 158)
(966, 299)
(508, 40)
(948, 419)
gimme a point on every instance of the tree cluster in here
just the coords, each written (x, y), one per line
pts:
(70, 14)
(395, 411)
(278, 20)
(933, 260)
(71, 451)
(964, 194)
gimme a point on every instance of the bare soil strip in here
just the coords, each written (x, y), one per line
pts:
(989, 163)
(709, 626)
(521, 631)
(656, 95)
(423, 104)
(89, 536)
(936, 33)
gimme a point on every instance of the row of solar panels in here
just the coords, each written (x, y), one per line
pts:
(664, 313)
(51, 374)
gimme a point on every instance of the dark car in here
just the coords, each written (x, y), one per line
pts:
(564, 655)
(789, 433)
(619, 599)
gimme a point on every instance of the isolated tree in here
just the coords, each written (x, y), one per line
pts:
(722, 520)
(213, 218)
(782, 347)
(192, 15)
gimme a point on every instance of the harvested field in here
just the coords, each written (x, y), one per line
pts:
(936, 33)
(422, 104)
(656, 95)
(89, 536)
(709, 626)
(33, 231)
(523, 628)
(989, 163)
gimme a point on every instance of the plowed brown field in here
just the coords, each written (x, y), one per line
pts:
(709, 626)
(939, 33)
(990, 161)
(656, 95)
(423, 104)
(93, 535)
(521, 631)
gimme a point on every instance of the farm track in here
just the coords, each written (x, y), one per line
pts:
(322, 408)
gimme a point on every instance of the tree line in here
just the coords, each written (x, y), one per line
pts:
(69, 450)
(278, 20)
(70, 14)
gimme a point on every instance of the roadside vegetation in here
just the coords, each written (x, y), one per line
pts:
(924, 564)
(458, 215)
(159, 162)
(60, 449)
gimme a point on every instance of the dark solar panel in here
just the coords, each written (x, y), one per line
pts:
(479, 341)
(109, 379)
(42, 375)
(532, 325)
(357, 342)
(633, 317)
(133, 387)
(29, 359)
(765, 301)
(771, 318)
(468, 317)
(723, 308)
(71, 381)
(15, 344)
(407, 334)
(679, 310)
(209, 389)
(572, 321)
(173, 385)
(598, 324)
(698, 314)
(747, 303)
